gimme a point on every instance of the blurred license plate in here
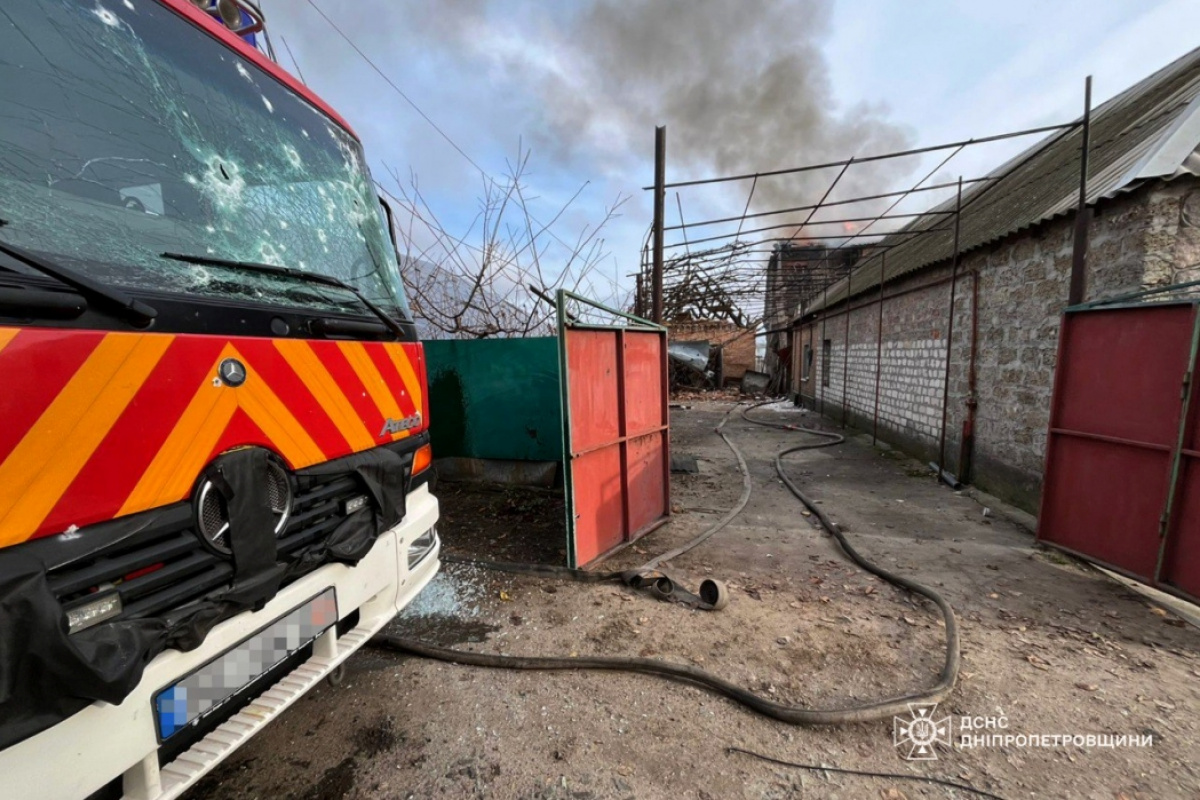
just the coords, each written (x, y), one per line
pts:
(220, 679)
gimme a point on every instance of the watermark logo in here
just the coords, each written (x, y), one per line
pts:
(917, 733)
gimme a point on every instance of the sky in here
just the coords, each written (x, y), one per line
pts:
(577, 88)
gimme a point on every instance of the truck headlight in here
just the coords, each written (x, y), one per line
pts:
(93, 612)
(422, 546)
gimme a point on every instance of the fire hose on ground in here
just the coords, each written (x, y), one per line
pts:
(794, 715)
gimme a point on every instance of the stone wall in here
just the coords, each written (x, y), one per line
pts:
(1139, 239)
(1173, 235)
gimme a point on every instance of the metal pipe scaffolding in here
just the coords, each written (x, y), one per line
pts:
(866, 159)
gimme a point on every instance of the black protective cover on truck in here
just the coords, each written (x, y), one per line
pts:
(47, 675)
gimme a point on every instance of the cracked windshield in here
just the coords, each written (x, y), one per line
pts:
(119, 145)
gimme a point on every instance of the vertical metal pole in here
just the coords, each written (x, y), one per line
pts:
(1082, 214)
(879, 349)
(824, 357)
(966, 450)
(660, 193)
(1048, 496)
(950, 335)
(560, 302)
(665, 415)
(1175, 487)
(770, 302)
(638, 311)
(846, 359)
(785, 367)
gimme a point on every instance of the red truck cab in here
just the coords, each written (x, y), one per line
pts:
(214, 459)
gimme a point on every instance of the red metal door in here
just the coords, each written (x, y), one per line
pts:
(1122, 483)
(617, 438)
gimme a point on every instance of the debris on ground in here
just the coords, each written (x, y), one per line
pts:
(496, 522)
(1050, 647)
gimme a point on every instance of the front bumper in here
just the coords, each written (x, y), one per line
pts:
(88, 750)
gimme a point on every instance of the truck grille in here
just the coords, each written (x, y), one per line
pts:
(316, 512)
(167, 566)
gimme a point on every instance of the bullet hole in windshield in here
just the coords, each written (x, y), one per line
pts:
(107, 17)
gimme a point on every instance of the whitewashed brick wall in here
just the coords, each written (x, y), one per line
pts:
(910, 399)
(910, 392)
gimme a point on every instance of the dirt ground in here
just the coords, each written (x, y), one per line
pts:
(521, 524)
(1050, 647)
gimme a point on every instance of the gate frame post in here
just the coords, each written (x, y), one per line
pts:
(1055, 396)
(560, 303)
(1174, 482)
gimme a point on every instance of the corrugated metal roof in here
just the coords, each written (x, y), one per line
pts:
(1149, 131)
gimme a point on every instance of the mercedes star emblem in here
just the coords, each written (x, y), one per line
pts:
(233, 372)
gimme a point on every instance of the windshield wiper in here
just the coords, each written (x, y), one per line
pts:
(141, 313)
(291, 272)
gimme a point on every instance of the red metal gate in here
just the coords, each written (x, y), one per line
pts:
(1122, 485)
(617, 463)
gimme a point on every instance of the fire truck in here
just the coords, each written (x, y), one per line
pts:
(214, 457)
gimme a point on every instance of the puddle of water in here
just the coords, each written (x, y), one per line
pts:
(443, 631)
(782, 406)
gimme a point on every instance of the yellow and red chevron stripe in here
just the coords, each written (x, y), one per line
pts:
(99, 425)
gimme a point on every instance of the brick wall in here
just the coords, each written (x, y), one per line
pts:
(912, 355)
(1139, 239)
(738, 343)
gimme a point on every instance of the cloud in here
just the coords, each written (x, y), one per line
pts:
(740, 86)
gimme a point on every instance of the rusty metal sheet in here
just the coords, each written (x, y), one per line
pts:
(643, 383)
(645, 481)
(1122, 479)
(594, 393)
(596, 481)
(617, 466)
(1103, 501)
(1122, 372)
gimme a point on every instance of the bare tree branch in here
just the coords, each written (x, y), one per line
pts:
(487, 281)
